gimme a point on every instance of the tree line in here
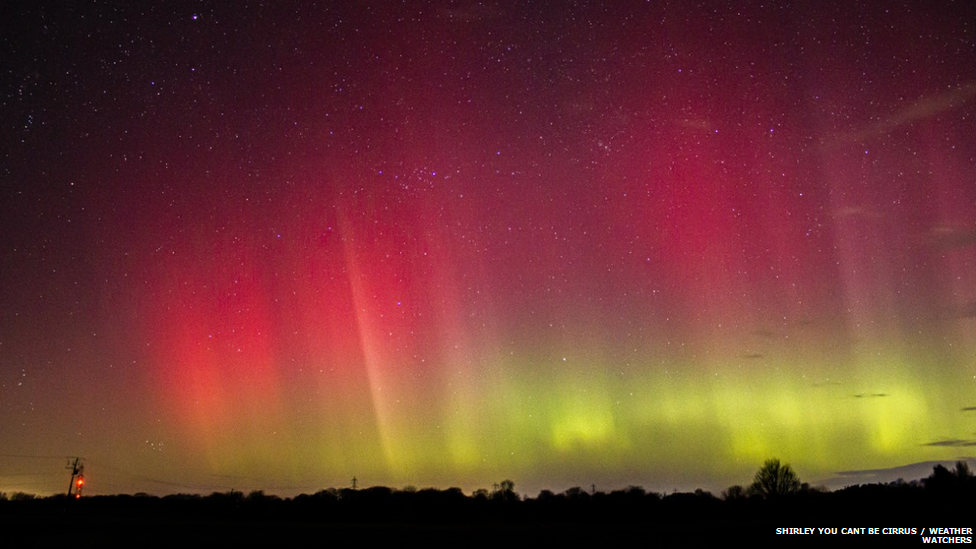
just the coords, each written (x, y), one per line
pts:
(776, 490)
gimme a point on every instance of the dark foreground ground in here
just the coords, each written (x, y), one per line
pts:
(380, 517)
(114, 532)
(188, 532)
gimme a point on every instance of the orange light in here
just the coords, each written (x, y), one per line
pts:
(81, 481)
(77, 496)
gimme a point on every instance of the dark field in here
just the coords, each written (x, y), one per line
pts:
(379, 516)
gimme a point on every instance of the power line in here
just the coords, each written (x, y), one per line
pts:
(25, 456)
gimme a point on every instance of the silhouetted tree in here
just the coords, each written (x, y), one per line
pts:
(636, 491)
(775, 479)
(328, 494)
(506, 491)
(183, 497)
(963, 473)
(734, 493)
(942, 479)
(546, 495)
(576, 493)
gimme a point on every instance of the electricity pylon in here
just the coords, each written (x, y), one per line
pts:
(77, 470)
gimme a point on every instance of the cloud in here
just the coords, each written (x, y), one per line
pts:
(969, 409)
(857, 211)
(968, 311)
(923, 108)
(951, 443)
(944, 236)
(870, 395)
(697, 124)
(754, 355)
(827, 383)
(908, 472)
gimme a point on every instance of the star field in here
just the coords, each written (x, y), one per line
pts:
(444, 243)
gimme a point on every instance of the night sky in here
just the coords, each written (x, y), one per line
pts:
(278, 245)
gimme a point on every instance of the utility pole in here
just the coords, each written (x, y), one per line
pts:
(353, 483)
(77, 470)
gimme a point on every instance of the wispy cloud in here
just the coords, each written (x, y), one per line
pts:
(951, 443)
(945, 236)
(827, 383)
(925, 107)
